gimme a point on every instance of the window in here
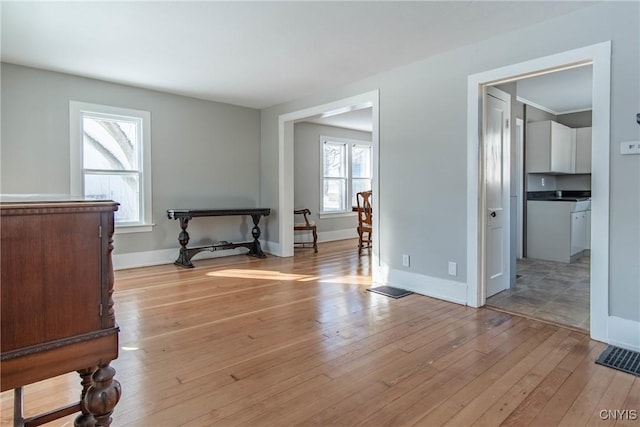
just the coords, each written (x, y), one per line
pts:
(361, 170)
(111, 159)
(346, 170)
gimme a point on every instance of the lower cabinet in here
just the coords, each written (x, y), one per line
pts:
(557, 231)
(578, 232)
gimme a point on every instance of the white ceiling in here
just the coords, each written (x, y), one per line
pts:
(561, 92)
(356, 119)
(253, 54)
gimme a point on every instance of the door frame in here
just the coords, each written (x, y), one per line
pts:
(599, 56)
(519, 175)
(286, 163)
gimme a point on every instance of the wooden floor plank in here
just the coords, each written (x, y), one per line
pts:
(631, 405)
(517, 393)
(617, 392)
(586, 403)
(556, 408)
(492, 391)
(531, 406)
(420, 400)
(300, 341)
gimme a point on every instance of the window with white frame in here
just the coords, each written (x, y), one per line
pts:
(111, 159)
(346, 170)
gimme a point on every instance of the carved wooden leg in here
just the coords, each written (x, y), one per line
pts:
(85, 419)
(256, 250)
(103, 395)
(183, 237)
(184, 258)
(315, 239)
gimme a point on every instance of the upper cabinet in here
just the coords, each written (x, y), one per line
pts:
(583, 150)
(549, 147)
(555, 148)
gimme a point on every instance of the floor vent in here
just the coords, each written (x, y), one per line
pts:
(620, 359)
(390, 291)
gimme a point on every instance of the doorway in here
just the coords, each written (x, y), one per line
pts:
(286, 165)
(333, 158)
(599, 56)
(551, 283)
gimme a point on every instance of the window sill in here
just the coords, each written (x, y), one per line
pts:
(337, 214)
(126, 229)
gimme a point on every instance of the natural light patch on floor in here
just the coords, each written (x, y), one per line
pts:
(258, 274)
(278, 275)
(351, 280)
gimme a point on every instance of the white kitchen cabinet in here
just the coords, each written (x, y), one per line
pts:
(578, 232)
(583, 150)
(556, 230)
(550, 148)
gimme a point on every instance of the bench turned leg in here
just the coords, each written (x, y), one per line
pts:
(255, 249)
(184, 258)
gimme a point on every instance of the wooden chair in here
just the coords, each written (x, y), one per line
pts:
(365, 219)
(306, 226)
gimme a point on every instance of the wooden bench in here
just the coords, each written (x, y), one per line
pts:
(186, 215)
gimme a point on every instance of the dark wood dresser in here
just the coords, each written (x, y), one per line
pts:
(57, 311)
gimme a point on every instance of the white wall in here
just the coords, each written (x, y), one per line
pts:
(307, 192)
(423, 152)
(204, 154)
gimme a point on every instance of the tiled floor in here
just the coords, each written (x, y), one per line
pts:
(549, 290)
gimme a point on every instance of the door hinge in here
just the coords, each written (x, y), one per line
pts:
(507, 124)
(100, 231)
(100, 309)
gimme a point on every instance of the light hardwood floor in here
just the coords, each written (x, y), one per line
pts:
(299, 341)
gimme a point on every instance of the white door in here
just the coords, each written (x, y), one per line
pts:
(496, 149)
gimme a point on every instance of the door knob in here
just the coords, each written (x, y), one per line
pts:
(493, 214)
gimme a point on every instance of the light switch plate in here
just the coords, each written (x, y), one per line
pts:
(630, 147)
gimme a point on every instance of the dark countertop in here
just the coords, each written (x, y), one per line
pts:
(552, 196)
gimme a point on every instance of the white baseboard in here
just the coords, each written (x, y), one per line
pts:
(330, 236)
(435, 287)
(273, 248)
(623, 333)
(163, 256)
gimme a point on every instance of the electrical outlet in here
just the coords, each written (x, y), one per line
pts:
(453, 268)
(405, 260)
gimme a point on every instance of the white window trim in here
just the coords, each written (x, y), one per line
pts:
(75, 157)
(349, 142)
